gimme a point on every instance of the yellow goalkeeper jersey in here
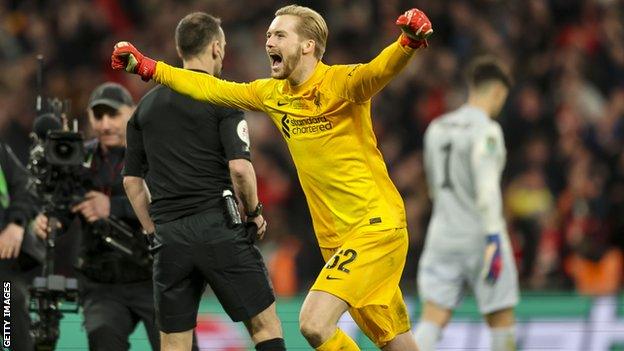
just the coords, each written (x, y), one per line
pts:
(326, 122)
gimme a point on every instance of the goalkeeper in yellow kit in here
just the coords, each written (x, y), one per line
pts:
(323, 113)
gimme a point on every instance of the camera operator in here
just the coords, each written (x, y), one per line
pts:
(115, 290)
(16, 209)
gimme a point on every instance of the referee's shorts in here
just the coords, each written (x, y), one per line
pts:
(201, 249)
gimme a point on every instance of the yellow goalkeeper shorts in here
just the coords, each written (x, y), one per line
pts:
(365, 272)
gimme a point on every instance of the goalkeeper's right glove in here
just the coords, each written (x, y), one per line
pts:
(126, 56)
(416, 28)
(493, 260)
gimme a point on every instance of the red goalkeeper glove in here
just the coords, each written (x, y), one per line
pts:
(416, 28)
(126, 56)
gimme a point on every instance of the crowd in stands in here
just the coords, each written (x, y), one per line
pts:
(563, 123)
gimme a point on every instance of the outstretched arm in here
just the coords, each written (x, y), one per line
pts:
(365, 80)
(201, 86)
(197, 85)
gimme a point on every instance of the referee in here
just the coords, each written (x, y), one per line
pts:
(182, 157)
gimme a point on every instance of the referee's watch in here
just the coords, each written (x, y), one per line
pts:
(256, 212)
(153, 243)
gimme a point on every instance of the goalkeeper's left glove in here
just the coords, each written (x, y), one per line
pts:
(416, 28)
(493, 260)
(126, 56)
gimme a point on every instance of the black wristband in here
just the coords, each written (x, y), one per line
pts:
(256, 212)
(153, 243)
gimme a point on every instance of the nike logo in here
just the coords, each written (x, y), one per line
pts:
(282, 103)
(329, 277)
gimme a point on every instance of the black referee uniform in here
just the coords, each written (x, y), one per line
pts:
(181, 147)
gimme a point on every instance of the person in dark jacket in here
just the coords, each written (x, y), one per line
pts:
(16, 210)
(115, 288)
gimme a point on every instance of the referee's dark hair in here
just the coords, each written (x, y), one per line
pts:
(194, 32)
(485, 69)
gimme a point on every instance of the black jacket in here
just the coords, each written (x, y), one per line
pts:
(96, 259)
(16, 203)
(17, 206)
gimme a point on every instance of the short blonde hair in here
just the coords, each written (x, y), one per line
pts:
(311, 26)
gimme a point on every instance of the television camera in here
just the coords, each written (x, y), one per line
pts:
(59, 180)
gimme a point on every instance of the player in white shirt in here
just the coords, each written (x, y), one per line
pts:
(467, 244)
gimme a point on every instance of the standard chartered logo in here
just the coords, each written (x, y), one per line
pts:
(311, 125)
(285, 126)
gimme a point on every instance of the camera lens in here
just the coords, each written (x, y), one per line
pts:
(64, 150)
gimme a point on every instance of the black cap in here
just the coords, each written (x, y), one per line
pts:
(110, 94)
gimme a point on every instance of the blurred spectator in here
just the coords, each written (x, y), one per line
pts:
(529, 201)
(593, 263)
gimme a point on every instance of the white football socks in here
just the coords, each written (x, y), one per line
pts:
(427, 336)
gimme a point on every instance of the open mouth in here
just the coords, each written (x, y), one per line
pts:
(276, 60)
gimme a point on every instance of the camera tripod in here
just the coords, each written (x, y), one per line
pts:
(47, 294)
